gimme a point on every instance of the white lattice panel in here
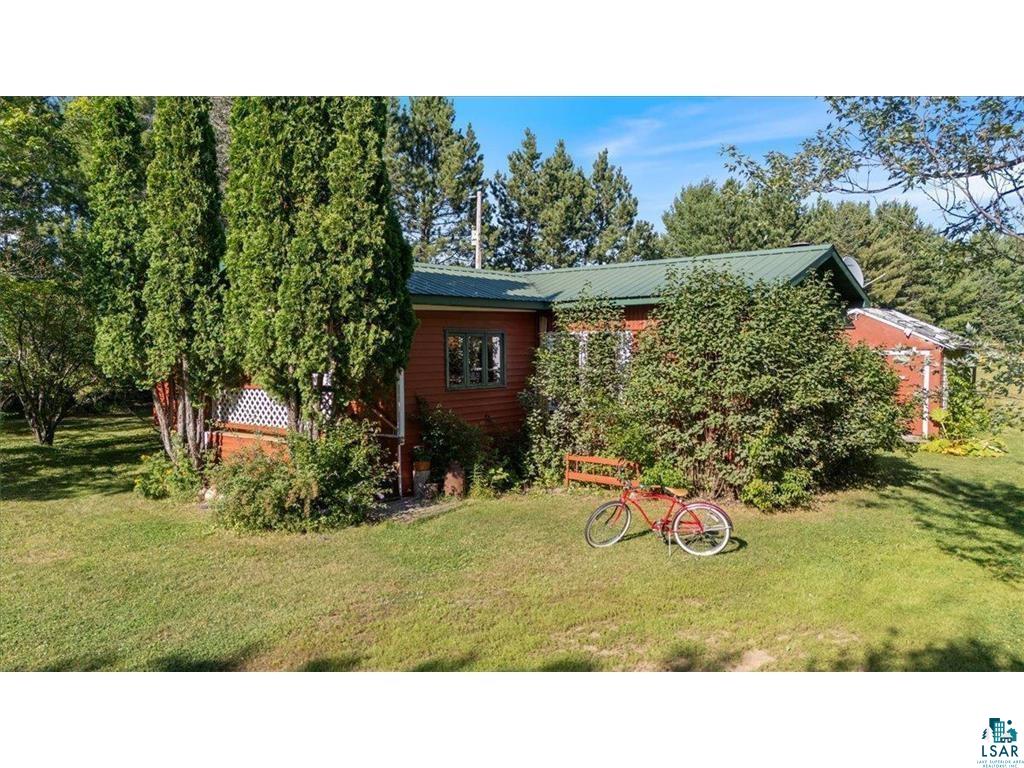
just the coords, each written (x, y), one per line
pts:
(252, 406)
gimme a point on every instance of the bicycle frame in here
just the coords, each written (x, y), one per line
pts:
(631, 495)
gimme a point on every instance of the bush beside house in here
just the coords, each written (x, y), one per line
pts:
(733, 389)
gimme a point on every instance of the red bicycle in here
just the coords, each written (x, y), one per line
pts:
(699, 527)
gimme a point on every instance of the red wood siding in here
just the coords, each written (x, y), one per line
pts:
(494, 408)
(883, 336)
(636, 318)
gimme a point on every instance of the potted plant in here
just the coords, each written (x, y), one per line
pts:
(420, 469)
(420, 458)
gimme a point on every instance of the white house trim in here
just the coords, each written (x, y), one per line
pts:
(926, 386)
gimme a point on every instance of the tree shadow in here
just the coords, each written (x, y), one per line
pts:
(188, 661)
(332, 664)
(85, 663)
(696, 657)
(966, 654)
(571, 663)
(982, 523)
(446, 663)
(84, 460)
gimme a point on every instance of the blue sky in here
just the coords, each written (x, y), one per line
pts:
(661, 143)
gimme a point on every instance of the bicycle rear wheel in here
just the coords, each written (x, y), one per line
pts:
(608, 524)
(702, 528)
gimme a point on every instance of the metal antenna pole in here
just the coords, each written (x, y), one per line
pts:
(479, 214)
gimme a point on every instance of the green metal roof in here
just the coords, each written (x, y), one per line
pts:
(636, 282)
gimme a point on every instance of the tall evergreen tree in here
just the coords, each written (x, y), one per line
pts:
(566, 228)
(276, 262)
(708, 218)
(519, 204)
(616, 236)
(435, 171)
(113, 166)
(183, 244)
(339, 315)
(259, 212)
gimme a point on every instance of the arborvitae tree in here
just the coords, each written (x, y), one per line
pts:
(259, 213)
(372, 317)
(519, 204)
(113, 165)
(276, 263)
(342, 315)
(183, 244)
(435, 171)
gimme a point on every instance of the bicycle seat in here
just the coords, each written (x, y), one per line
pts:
(680, 492)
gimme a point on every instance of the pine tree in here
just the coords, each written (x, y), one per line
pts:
(613, 216)
(566, 203)
(518, 207)
(435, 171)
(183, 244)
(113, 165)
(708, 218)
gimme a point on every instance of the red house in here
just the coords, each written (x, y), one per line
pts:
(478, 330)
(921, 353)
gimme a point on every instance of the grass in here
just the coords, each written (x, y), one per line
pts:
(922, 570)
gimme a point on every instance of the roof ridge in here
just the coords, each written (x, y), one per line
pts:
(679, 259)
(464, 268)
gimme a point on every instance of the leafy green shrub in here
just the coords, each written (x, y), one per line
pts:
(974, 446)
(792, 490)
(493, 462)
(965, 415)
(731, 385)
(448, 438)
(573, 398)
(329, 482)
(161, 478)
(964, 420)
(664, 473)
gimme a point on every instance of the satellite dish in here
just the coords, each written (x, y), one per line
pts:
(855, 270)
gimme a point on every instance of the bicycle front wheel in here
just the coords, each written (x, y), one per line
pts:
(702, 528)
(608, 524)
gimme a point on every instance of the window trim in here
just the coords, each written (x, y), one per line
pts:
(465, 333)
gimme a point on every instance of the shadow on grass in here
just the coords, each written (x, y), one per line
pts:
(981, 522)
(961, 655)
(185, 661)
(571, 663)
(696, 657)
(446, 663)
(91, 455)
(87, 663)
(332, 664)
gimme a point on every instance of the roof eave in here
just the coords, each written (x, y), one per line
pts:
(473, 301)
(833, 255)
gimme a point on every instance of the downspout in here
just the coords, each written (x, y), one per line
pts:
(400, 421)
(399, 434)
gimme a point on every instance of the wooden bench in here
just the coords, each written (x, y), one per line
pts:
(581, 469)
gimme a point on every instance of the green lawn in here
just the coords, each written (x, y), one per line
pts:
(922, 571)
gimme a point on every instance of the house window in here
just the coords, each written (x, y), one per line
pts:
(474, 359)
